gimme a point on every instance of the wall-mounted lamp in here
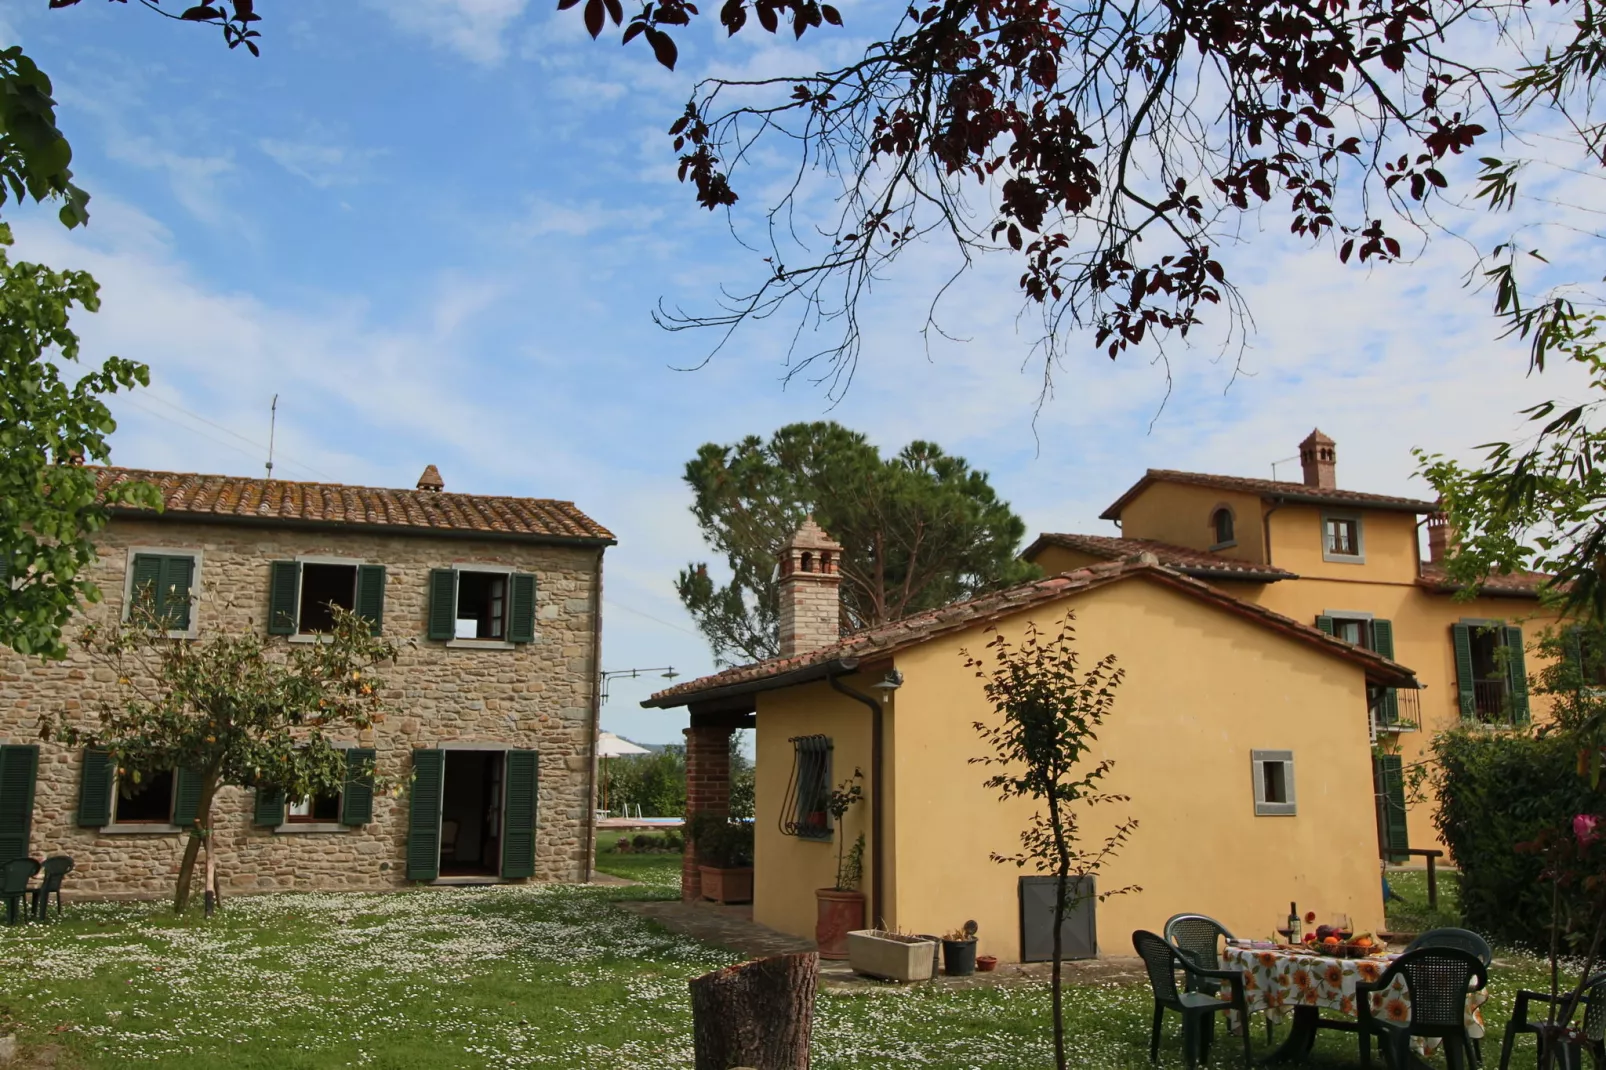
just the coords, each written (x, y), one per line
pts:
(888, 683)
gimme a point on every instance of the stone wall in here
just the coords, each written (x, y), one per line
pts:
(537, 695)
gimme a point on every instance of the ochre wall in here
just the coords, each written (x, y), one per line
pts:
(1202, 690)
(1388, 541)
(1179, 513)
(531, 695)
(786, 869)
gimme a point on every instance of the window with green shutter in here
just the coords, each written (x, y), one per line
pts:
(186, 797)
(1516, 674)
(1387, 707)
(268, 809)
(1466, 695)
(95, 787)
(523, 779)
(521, 612)
(442, 603)
(164, 582)
(424, 815)
(1388, 781)
(357, 800)
(284, 584)
(1490, 670)
(19, 767)
(371, 596)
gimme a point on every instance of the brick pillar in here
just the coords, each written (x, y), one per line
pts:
(708, 791)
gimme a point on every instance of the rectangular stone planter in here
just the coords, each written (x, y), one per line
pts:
(890, 956)
(727, 885)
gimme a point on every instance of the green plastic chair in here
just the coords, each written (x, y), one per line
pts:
(1594, 1022)
(1198, 1010)
(14, 878)
(1438, 980)
(1465, 939)
(50, 875)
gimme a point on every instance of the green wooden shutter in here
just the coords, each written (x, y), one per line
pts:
(284, 583)
(1388, 709)
(173, 591)
(186, 797)
(1461, 639)
(1325, 623)
(442, 603)
(1573, 652)
(523, 780)
(357, 797)
(19, 766)
(371, 596)
(424, 817)
(95, 789)
(521, 617)
(1389, 778)
(269, 808)
(147, 582)
(1516, 674)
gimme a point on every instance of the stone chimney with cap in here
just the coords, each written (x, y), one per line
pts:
(431, 479)
(811, 602)
(1318, 456)
(1440, 535)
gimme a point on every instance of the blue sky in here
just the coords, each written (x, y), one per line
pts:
(436, 229)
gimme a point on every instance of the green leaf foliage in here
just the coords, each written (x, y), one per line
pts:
(49, 510)
(34, 154)
(655, 782)
(241, 711)
(1497, 791)
(918, 530)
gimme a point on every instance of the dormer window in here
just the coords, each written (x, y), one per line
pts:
(1221, 525)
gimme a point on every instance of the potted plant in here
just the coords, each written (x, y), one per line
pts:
(724, 858)
(893, 956)
(959, 951)
(840, 908)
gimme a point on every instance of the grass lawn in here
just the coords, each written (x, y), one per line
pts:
(1413, 915)
(658, 869)
(499, 977)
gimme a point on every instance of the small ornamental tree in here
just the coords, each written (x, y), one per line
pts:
(1050, 713)
(232, 709)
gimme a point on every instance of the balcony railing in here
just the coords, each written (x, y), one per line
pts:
(1394, 709)
(1491, 701)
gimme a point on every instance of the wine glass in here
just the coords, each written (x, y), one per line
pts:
(1342, 928)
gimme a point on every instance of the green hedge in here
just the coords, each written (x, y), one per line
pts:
(1496, 791)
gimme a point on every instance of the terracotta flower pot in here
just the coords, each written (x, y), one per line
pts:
(839, 913)
(986, 963)
(727, 885)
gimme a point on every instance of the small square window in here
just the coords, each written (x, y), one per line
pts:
(1341, 538)
(149, 802)
(481, 605)
(323, 586)
(1273, 782)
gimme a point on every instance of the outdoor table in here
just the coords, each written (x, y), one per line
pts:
(1278, 981)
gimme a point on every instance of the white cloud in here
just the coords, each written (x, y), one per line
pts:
(474, 29)
(323, 165)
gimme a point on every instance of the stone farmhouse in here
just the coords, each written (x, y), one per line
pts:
(495, 604)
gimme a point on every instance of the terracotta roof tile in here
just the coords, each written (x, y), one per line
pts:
(1513, 584)
(1201, 564)
(237, 497)
(897, 635)
(1268, 488)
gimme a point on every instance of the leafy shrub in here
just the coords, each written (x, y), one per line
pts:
(1497, 791)
(721, 843)
(655, 782)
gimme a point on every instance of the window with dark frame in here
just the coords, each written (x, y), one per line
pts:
(150, 802)
(323, 585)
(1343, 536)
(316, 809)
(1222, 523)
(804, 813)
(1274, 777)
(481, 605)
(1490, 683)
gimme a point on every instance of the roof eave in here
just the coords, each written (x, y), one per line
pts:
(361, 527)
(1414, 508)
(802, 675)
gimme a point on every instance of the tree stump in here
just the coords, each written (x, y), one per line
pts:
(758, 1014)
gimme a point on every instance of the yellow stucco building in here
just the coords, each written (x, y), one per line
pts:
(1235, 733)
(1352, 564)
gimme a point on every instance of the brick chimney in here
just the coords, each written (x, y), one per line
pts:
(1440, 535)
(431, 479)
(811, 605)
(1318, 456)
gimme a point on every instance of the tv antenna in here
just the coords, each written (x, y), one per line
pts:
(1285, 460)
(273, 424)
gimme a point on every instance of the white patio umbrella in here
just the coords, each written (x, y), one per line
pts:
(612, 746)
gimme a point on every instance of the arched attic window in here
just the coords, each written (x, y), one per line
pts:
(1221, 524)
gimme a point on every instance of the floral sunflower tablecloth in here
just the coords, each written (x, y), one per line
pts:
(1276, 981)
